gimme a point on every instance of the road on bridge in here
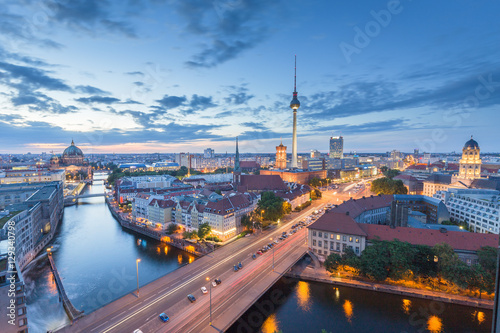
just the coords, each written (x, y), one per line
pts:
(235, 294)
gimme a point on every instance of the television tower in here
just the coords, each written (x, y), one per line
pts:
(294, 104)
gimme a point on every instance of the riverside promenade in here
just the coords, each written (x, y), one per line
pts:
(322, 275)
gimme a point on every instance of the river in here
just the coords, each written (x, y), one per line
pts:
(96, 260)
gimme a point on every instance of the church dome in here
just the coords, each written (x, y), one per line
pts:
(471, 144)
(72, 151)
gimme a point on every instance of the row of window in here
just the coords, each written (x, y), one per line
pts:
(335, 236)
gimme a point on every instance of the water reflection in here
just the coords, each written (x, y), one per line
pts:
(179, 259)
(303, 295)
(348, 310)
(51, 283)
(406, 306)
(434, 324)
(337, 294)
(270, 325)
(479, 316)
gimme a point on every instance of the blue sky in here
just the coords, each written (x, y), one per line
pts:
(170, 76)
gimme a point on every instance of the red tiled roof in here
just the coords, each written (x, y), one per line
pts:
(356, 207)
(467, 241)
(262, 183)
(162, 203)
(249, 165)
(338, 223)
(228, 204)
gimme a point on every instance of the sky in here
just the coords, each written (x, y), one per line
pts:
(171, 76)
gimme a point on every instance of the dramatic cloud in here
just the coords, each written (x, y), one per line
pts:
(172, 102)
(239, 96)
(97, 99)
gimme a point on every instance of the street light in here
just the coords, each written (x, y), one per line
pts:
(137, 268)
(208, 279)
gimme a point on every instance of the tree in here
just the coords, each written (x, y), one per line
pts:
(272, 206)
(388, 186)
(488, 258)
(172, 228)
(246, 222)
(374, 262)
(391, 173)
(332, 262)
(218, 191)
(204, 230)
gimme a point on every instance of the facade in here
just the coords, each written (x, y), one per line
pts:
(434, 209)
(32, 176)
(440, 182)
(334, 233)
(280, 157)
(315, 153)
(371, 210)
(336, 147)
(300, 177)
(480, 209)
(315, 164)
(296, 196)
(209, 153)
(16, 193)
(160, 211)
(470, 164)
(72, 161)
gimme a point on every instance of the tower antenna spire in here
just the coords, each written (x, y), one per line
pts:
(295, 77)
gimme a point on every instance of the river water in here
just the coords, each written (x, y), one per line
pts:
(96, 260)
(310, 307)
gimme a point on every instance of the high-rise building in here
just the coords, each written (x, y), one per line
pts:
(209, 153)
(336, 147)
(315, 153)
(280, 157)
(294, 105)
(470, 164)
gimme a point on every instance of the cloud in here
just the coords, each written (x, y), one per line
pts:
(97, 99)
(239, 96)
(30, 77)
(37, 101)
(135, 73)
(184, 105)
(90, 16)
(255, 126)
(91, 90)
(229, 27)
(171, 102)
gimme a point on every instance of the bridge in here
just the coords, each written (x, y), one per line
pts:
(72, 312)
(214, 311)
(70, 200)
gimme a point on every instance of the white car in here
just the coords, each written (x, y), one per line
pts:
(137, 331)
(214, 284)
(204, 290)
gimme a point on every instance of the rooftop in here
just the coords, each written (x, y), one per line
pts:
(7, 217)
(338, 223)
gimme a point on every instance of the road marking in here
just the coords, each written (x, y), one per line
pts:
(150, 317)
(99, 326)
(264, 239)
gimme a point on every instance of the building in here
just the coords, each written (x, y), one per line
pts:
(336, 147)
(160, 212)
(13, 310)
(73, 161)
(280, 157)
(371, 210)
(414, 185)
(335, 232)
(297, 196)
(260, 183)
(17, 193)
(434, 209)
(209, 153)
(480, 209)
(32, 175)
(315, 164)
(315, 153)
(440, 182)
(296, 176)
(249, 166)
(470, 164)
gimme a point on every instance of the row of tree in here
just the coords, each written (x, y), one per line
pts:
(400, 260)
(388, 185)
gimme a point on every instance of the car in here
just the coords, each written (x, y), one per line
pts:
(191, 298)
(259, 253)
(254, 256)
(276, 241)
(235, 268)
(163, 318)
(204, 290)
(214, 284)
(218, 281)
(240, 265)
(137, 331)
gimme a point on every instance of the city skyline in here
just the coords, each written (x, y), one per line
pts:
(149, 77)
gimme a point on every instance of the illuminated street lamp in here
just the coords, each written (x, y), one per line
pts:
(208, 279)
(137, 267)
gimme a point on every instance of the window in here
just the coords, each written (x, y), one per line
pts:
(344, 247)
(22, 322)
(319, 251)
(344, 238)
(331, 236)
(325, 245)
(357, 239)
(357, 249)
(338, 237)
(314, 242)
(338, 247)
(332, 246)
(320, 234)
(326, 235)
(350, 239)
(314, 233)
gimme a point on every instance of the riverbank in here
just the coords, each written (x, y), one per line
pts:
(181, 244)
(321, 275)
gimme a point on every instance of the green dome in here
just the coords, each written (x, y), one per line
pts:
(72, 151)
